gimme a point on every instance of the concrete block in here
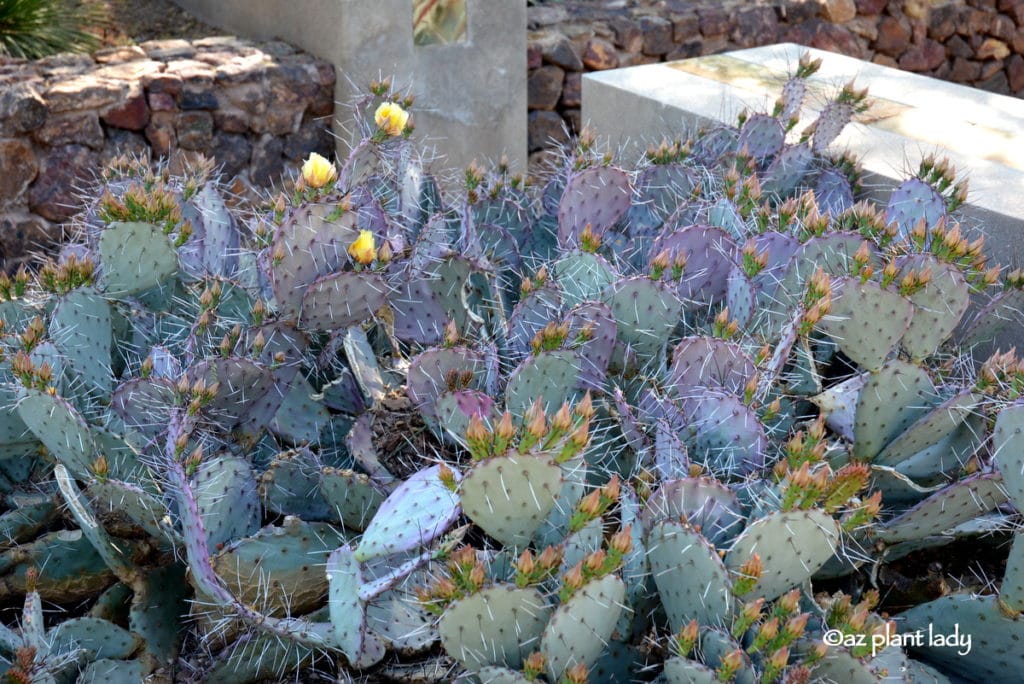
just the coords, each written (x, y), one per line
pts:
(912, 115)
(470, 96)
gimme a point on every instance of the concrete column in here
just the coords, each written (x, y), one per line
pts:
(470, 96)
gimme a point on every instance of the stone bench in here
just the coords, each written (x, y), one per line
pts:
(912, 115)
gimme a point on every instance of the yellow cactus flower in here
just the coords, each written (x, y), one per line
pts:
(318, 172)
(363, 249)
(391, 118)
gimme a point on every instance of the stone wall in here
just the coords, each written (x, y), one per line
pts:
(974, 42)
(252, 107)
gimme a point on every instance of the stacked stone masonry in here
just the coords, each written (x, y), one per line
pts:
(975, 42)
(254, 108)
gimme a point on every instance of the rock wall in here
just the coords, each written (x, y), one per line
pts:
(975, 42)
(252, 107)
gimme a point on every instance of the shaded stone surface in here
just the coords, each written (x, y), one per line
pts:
(18, 167)
(22, 109)
(545, 128)
(544, 87)
(133, 115)
(64, 170)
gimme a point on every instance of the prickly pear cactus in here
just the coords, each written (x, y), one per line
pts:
(625, 425)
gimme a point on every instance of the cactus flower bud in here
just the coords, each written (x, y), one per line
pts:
(686, 640)
(622, 541)
(385, 254)
(577, 674)
(534, 665)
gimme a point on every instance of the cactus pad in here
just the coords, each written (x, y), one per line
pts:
(691, 579)
(793, 546)
(498, 625)
(866, 321)
(580, 628)
(509, 496)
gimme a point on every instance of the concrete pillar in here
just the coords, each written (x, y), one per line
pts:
(470, 95)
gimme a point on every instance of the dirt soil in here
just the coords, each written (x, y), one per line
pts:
(135, 21)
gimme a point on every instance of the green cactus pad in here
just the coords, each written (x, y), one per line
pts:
(225, 492)
(498, 625)
(787, 170)
(833, 253)
(938, 306)
(98, 638)
(958, 503)
(109, 671)
(351, 497)
(683, 671)
(59, 426)
(1011, 591)
(155, 615)
(999, 319)
(866, 321)
(893, 398)
(1008, 449)
(114, 555)
(930, 429)
(793, 546)
(510, 496)
(715, 644)
(582, 277)
(401, 621)
(549, 376)
(12, 427)
(582, 543)
(300, 417)
(645, 312)
(501, 675)
(839, 665)
(580, 628)
(25, 522)
(280, 568)
(995, 654)
(291, 486)
(81, 330)
(556, 526)
(691, 578)
(135, 257)
(342, 300)
(260, 658)
(142, 507)
(348, 613)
